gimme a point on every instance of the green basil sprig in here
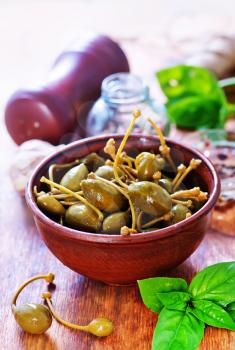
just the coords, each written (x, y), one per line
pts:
(195, 99)
(216, 283)
(231, 310)
(212, 314)
(173, 325)
(150, 290)
(184, 311)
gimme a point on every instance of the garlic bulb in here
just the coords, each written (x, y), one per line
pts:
(27, 156)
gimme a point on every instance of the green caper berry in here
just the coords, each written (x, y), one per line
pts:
(101, 327)
(74, 176)
(179, 211)
(32, 318)
(80, 216)
(114, 222)
(166, 183)
(48, 203)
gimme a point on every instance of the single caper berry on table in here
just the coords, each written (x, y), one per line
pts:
(80, 216)
(179, 211)
(50, 204)
(150, 198)
(32, 318)
(102, 195)
(107, 172)
(114, 222)
(73, 177)
(101, 327)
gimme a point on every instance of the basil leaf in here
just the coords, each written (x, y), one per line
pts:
(174, 300)
(215, 283)
(177, 330)
(231, 310)
(180, 81)
(204, 112)
(195, 98)
(212, 314)
(151, 286)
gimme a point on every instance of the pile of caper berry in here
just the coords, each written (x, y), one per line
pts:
(122, 194)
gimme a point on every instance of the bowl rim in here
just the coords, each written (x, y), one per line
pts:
(89, 237)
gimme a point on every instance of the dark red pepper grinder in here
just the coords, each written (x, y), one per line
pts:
(53, 110)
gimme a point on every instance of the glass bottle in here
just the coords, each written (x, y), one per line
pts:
(121, 93)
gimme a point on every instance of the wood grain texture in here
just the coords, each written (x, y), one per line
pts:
(23, 254)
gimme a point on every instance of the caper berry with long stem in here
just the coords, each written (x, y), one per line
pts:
(100, 327)
(136, 115)
(125, 194)
(164, 149)
(194, 163)
(37, 318)
(32, 318)
(73, 194)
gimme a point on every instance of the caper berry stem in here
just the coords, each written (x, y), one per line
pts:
(187, 203)
(157, 175)
(164, 217)
(136, 115)
(49, 278)
(73, 194)
(126, 170)
(65, 196)
(180, 169)
(194, 193)
(123, 192)
(51, 172)
(131, 170)
(35, 191)
(93, 327)
(164, 149)
(69, 202)
(110, 148)
(139, 219)
(126, 231)
(194, 163)
(123, 167)
(47, 297)
(125, 158)
(67, 165)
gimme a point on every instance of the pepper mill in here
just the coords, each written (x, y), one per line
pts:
(55, 109)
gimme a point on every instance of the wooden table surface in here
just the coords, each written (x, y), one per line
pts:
(78, 299)
(22, 252)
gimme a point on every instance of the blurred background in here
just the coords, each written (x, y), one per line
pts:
(152, 33)
(33, 33)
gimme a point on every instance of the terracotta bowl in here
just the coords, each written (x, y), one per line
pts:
(115, 259)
